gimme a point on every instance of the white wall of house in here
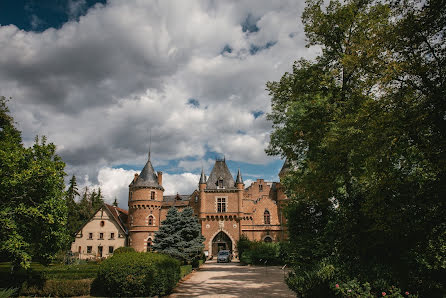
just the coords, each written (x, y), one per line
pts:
(100, 231)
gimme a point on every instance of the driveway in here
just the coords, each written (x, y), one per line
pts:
(233, 280)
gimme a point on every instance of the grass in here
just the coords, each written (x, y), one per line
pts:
(185, 270)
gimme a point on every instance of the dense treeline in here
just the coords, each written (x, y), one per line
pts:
(81, 207)
(364, 127)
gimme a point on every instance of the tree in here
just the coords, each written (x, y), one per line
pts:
(364, 124)
(73, 222)
(33, 213)
(180, 235)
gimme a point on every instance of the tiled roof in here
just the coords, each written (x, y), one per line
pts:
(119, 215)
(147, 178)
(220, 171)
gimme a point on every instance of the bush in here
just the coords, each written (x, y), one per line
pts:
(123, 249)
(185, 270)
(58, 288)
(5, 293)
(243, 244)
(312, 283)
(138, 274)
(353, 288)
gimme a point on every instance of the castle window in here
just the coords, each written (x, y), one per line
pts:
(150, 220)
(149, 244)
(268, 239)
(90, 235)
(89, 249)
(80, 249)
(102, 223)
(152, 195)
(267, 217)
(111, 249)
(260, 187)
(221, 204)
(220, 183)
(112, 235)
(101, 235)
(131, 195)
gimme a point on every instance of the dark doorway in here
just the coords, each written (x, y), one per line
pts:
(100, 251)
(221, 241)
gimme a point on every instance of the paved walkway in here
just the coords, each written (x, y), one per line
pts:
(233, 280)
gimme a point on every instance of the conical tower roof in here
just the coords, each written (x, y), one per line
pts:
(202, 177)
(147, 177)
(220, 172)
(239, 179)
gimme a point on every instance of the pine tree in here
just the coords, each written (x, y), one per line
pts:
(74, 221)
(180, 235)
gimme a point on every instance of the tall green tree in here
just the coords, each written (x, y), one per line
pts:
(364, 124)
(33, 212)
(73, 222)
(180, 235)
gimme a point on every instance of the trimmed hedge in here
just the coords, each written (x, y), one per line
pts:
(123, 250)
(58, 288)
(138, 274)
(185, 270)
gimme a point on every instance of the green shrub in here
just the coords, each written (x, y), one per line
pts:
(6, 293)
(185, 270)
(243, 244)
(265, 253)
(246, 258)
(138, 274)
(312, 283)
(59, 288)
(353, 288)
(123, 249)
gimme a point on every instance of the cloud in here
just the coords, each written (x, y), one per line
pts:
(187, 71)
(114, 183)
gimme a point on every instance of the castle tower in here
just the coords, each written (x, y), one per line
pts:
(220, 208)
(145, 201)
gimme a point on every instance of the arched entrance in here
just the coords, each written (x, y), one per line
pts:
(221, 241)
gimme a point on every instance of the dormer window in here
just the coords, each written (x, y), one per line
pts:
(260, 187)
(220, 183)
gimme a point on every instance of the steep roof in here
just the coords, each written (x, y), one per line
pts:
(119, 215)
(147, 178)
(220, 171)
(285, 168)
(176, 200)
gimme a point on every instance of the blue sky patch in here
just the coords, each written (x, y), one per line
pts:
(193, 102)
(254, 49)
(250, 24)
(31, 15)
(257, 114)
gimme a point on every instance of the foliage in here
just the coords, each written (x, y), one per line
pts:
(353, 288)
(258, 252)
(6, 293)
(33, 214)
(59, 288)
(364, 126)
(185, 270)
(123, 250)
(138, 274)
(180, 235)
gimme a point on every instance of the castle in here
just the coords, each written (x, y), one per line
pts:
(224, 207)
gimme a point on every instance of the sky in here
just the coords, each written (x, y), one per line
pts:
(99, 77)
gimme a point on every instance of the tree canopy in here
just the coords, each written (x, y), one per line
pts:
(33, 213)
(365, 126)
(180, 235)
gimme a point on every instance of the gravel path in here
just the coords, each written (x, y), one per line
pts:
(233, 280)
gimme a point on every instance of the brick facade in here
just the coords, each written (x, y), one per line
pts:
(224, 207)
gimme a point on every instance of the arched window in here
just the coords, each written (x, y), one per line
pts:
(149, 244)
(268, 239)
(267, 217)
(150, 220)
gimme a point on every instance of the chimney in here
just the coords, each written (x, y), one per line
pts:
(136, 177)
(160, 178)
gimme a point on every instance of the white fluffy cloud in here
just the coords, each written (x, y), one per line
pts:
(97, 85)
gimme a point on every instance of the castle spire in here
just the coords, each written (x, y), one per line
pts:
(203, 177)
(239, 179)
